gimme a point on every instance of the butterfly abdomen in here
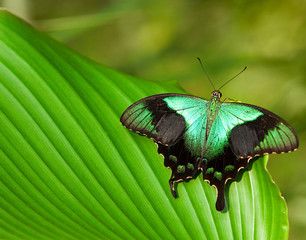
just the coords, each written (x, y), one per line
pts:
(212, 110)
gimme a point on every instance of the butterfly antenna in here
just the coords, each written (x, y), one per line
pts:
(206, 73)
(232, 78)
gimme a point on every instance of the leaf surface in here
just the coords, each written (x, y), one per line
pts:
(70, 170)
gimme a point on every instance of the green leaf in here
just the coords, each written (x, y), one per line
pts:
(70, 170)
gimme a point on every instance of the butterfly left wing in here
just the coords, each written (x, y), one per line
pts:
(177, 124)
(153, 118)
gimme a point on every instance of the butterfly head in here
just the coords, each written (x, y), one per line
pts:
(216, 94)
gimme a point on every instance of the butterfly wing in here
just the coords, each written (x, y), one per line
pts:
(153, 118)
(177, 123)
(239, 133)
(263, 133)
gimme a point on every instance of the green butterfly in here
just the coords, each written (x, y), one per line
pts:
(215, 137)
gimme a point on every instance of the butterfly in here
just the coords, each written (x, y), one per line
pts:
(215, 137)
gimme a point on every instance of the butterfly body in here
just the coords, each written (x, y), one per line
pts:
(214, 137)
(212, 110)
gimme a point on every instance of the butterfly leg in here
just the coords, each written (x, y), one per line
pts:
(230, 100)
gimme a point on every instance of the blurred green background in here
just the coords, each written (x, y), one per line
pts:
(160, 40)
